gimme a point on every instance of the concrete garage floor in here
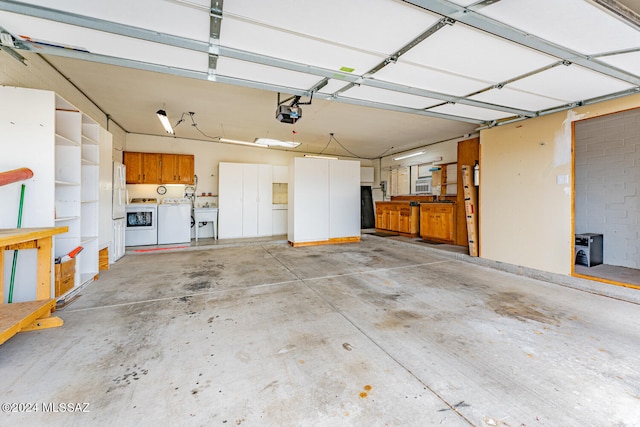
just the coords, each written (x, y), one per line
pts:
(370, 334)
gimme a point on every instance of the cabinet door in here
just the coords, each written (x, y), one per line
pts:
(185, 167)
(404, 225)
(250, 200)
(265, 200)
(151, 166)
(230, 200)
(381, 217)
(133, 162)
(394, 220)
(169, 170)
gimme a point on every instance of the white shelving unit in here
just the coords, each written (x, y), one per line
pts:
(87, 263)
(60, 144)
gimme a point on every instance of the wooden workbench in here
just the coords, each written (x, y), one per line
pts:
(30, 315)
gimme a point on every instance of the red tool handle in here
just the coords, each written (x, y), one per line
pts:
(15, 176)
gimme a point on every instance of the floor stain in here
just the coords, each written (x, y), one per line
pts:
(347, 346)
(511, 304)
(398, 318)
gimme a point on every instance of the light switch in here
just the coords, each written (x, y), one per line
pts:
(562, 179)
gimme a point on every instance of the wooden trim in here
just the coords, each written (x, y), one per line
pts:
(599, 279)
(335, 240)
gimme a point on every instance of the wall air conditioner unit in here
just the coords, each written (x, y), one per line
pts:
(288, 114)
(423, 185)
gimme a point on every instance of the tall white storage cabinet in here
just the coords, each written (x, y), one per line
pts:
(43, 132)
(324, 201)
(245, 194)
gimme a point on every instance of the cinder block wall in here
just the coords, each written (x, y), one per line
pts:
(607, 183)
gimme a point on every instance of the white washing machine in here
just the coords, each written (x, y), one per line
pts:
(174, 221)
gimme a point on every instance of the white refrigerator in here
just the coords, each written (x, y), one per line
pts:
(119, 205)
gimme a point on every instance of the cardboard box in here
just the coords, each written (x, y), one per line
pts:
(64, 276)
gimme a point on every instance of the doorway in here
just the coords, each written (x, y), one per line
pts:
(606, 200)
(367, 217)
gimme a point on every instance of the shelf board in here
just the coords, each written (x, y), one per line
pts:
(89, 201)
(66, 218)
(86, 162)
(62, 140)
(67, 183)
(87, 140)
(87, 239)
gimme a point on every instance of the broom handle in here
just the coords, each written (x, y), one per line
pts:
(15, 252)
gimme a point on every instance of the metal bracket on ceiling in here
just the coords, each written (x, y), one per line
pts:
(8, 44)
(215, 20)
(213, 62)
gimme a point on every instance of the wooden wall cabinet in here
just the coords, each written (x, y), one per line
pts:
(156, 168)
(438, 222)
(400, 217)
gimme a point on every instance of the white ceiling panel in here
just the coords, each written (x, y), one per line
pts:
(268, 41)
(517, 99)
(576, 24)
(104, 43)
(408, 74)
(570, 83)
(464, 3)
(185, 19)
(374, 94)
(466, 51)
(265, 74)
(373, 25)
(629, 62)
(462, 110)
(333, 86)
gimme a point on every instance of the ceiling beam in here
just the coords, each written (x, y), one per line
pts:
(484, 23)
(102, 25)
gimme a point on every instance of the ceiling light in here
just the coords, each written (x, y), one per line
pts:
(320, 157)
(235, 141)
(406, 156)
(276, 143)
(162, 115)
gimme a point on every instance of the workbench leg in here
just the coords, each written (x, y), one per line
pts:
(43, 323)
(43, 278)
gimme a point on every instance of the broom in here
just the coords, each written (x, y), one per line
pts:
(15, 252)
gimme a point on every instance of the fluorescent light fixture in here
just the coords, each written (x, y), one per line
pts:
(235, 141)
(276, 143)
(406, 156)
(162, 115)
(320, 157)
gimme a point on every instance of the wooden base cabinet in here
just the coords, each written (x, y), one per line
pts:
(399, 217)
(438, 222)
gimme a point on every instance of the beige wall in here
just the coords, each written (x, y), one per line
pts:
(38, 74)
(525, 214)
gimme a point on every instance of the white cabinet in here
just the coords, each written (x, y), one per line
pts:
(117, 248)
(244, 200)
(324, 200)
(43, 132)
(280, 174)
